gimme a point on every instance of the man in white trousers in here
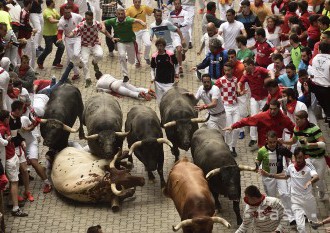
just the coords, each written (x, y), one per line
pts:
(210, 94)
(90, 43)
(139, 11)
(125, 38)
(67, 23)
(37, 22)
(302, 175)
(4, 82)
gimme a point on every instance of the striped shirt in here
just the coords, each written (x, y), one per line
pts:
(267, 217)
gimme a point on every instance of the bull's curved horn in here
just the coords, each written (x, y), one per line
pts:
(69, 129)
(184, 223)
(134, 146)
(199, 120)
(43, 120)
(212, 173)
(246, 168)
(116, 191)
(92, 137)
(166, 141)
(221, 220)
(113, 161)
(122, 134)
(169, 124)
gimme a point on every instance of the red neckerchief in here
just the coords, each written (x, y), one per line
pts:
(22, 71)
(271, 30)
(290, 107)
(14, 94)
(177, 12)
(299, 167)
(209, 12)
(256, 204)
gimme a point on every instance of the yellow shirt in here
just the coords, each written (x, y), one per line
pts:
(5, 18)
(141, 14)
(261, 11)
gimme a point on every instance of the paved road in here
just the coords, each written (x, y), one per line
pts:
(150, 212)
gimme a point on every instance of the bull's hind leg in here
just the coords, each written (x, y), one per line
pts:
(161, 176)
(175, 151)
(218, 206)
(151, 177)
(237, 212)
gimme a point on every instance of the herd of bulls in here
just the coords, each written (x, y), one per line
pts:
(100, 175)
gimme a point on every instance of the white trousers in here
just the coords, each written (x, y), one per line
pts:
(191, 13)
(303, 205)
(96, 52)
(255, 106)
(161, 89)
(217, 122)
(272, 186)
(37, 22)
(232, 116)
(130, 50)
(73, 50)
(223, 9)
(5, 63)
(243, 103)
(127, 89)
(12, 52)
(143, 37)
(4, 81)
(30, 50)
(321, 167)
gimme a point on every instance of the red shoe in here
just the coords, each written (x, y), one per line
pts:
(201, 11)
(75, 77)
(19, 198)
(28, 196)
(47, 188)
(41, 66)
(58, 66)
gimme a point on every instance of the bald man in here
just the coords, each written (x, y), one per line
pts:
(212, 32)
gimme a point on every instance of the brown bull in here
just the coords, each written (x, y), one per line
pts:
(189, 190)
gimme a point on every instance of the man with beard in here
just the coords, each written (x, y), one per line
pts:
(302, 175)
(125, 38)
(289, 79)
(306, 56)
(272, 119)
(210, 94)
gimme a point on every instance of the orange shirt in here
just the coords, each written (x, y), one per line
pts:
(262, 11)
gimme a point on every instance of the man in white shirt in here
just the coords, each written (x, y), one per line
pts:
(210, 94)
(67, 23)
(212, 32)
(231, 29)
(302, 175)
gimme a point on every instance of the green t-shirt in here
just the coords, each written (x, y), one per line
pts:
(50, 29)
(311, 133)
(296, 56)
(242, 54)
(122, 30)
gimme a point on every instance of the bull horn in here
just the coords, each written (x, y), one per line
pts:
(169, 124)
(134, 146)
(199, 120)
(221, 220)
(184, 223)
(122, 134)
(166, 141)
(92, 137)
(212, 173)
(43, 120)
(246, 168)
(116, 191)
(113, 161)
(69, 129)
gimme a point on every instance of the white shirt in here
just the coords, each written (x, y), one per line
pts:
(321, 70)
(299, 106)
(183, 19)
(299, 179)
(27, 135)
(15, 12)
(207, 98)
(229, 32)
(274, 37)
(68, 25)
(206, 39)
(39, 104)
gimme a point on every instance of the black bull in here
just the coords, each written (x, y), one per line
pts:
(63, 108)
(212, 155)
(179, 118)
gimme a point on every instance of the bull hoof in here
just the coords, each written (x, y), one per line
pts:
(115, 209)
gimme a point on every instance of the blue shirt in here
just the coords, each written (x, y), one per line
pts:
(286, 82)
(302, 66)
(163, 30)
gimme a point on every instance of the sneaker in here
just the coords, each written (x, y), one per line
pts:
(28, 196)
(19, 213)
(88, 82)
(75, 77)
(145, 96)
(180, 70)
(20, 199)
(293, 223)
(111, 54)
(241, 135)
(41, 66)
(126, 79)
(47, 188)
(234, 154)
(96, 66)
(252, 142)
(201, 11)
(190, 45)
(148, 61)
(58, 66)
(138, 65)
(316, 225)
